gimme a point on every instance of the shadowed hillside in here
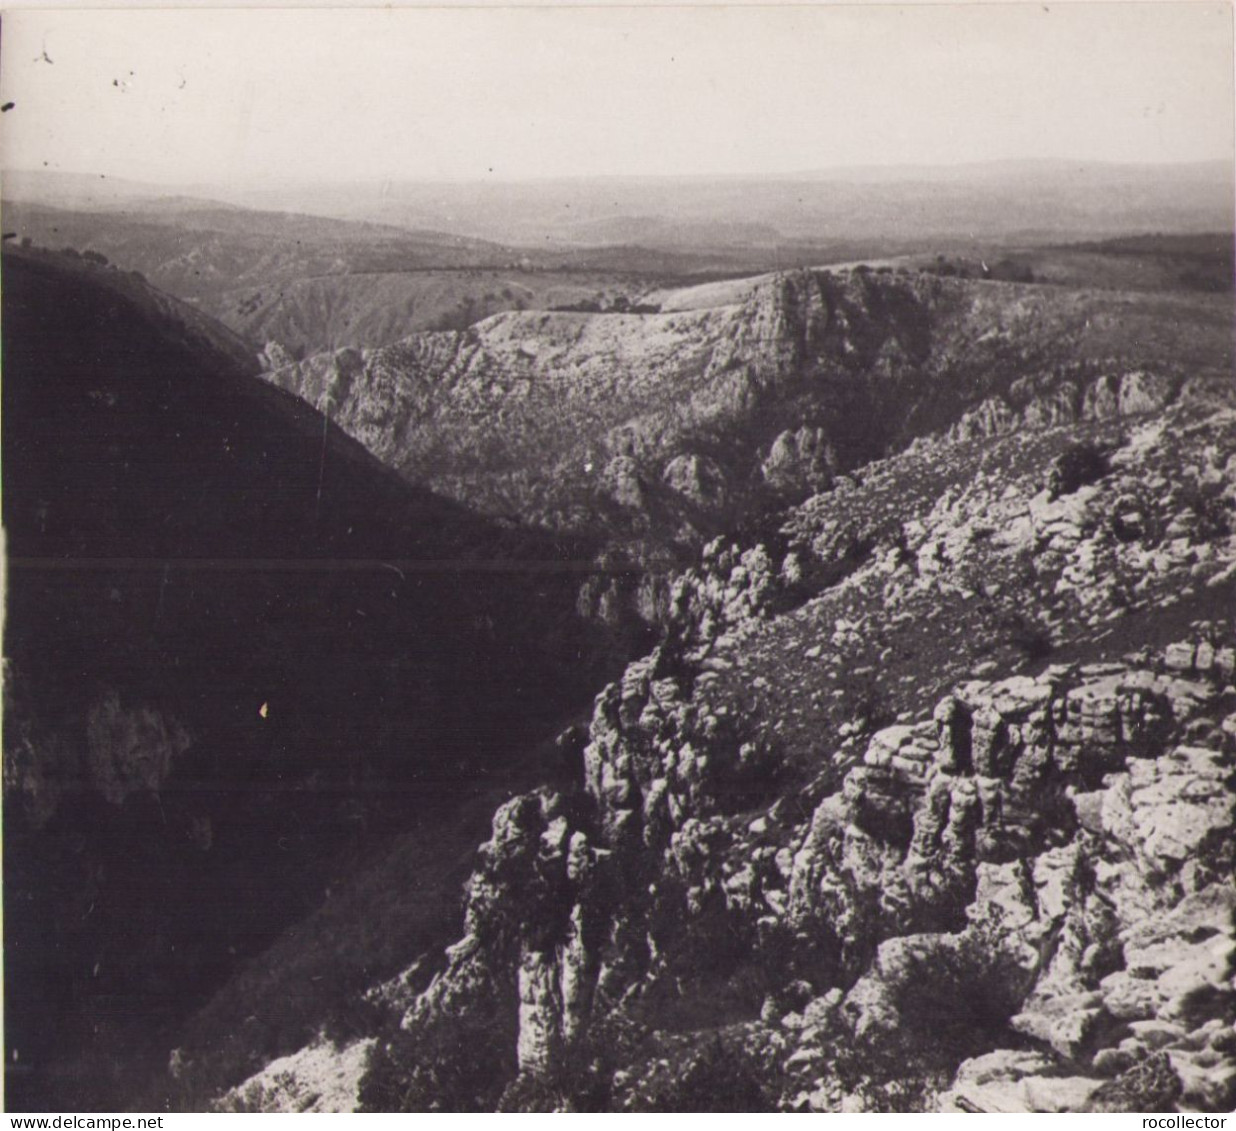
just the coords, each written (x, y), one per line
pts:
(239, 654)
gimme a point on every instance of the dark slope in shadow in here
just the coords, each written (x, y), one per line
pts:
(239, 655)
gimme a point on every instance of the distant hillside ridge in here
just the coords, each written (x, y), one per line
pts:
(656, 431)
(312, 282)
(994, 202)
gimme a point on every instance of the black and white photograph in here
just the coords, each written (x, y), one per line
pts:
(619, 558)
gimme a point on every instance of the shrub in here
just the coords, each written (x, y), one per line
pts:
(453, 1064)
(1032, 639)
(1076, 467)
(713, 1073)
(1210, 509)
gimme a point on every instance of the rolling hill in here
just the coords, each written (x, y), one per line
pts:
(993, 202)
(311, 283)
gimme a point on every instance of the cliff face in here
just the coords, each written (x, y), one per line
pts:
(926, 804)
(860, 360)
(655, 432)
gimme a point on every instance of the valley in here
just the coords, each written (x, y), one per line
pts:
(807, 646)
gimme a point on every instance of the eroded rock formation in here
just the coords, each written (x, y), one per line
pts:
(823, 883)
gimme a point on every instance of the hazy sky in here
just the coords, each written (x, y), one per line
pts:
(256, 97)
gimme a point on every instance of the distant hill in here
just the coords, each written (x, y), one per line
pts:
(998, 201)
(201, 249)
(322, 267)
(58, 189)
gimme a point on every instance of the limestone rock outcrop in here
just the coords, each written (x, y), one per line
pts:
(1004, 884)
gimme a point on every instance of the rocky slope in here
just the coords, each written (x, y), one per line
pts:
(925, 804)
(657, 431)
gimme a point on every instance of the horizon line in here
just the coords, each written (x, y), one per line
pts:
(908, 169)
